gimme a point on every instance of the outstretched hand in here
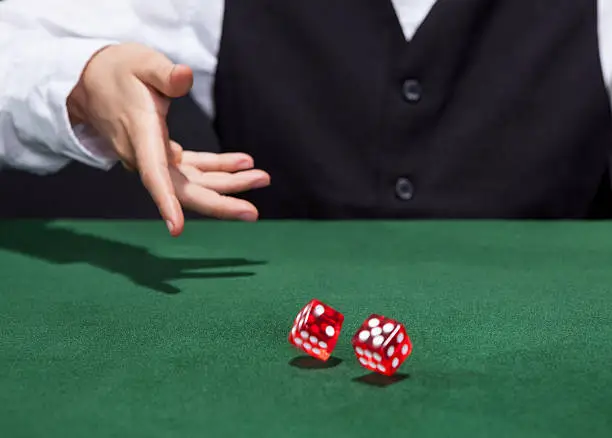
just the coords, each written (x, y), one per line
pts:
(124, 94)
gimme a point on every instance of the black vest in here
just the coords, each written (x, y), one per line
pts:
(496, 108)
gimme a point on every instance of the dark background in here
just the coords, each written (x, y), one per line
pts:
(79, 191)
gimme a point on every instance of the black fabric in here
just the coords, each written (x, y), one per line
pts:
(508, 115)
(513, 118)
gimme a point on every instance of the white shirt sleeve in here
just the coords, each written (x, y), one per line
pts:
(44, 46)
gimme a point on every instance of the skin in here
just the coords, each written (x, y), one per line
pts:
(124, 94)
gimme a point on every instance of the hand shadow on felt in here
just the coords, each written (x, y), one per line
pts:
(58, 245)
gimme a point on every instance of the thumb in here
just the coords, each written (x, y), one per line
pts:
(171, 80)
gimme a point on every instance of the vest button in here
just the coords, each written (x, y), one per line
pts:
(411, 89)
(404, 189)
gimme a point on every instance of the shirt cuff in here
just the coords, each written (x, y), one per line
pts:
(51, 74)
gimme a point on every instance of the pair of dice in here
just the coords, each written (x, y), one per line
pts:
(381, 344)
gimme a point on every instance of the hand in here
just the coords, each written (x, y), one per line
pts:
(124, 94)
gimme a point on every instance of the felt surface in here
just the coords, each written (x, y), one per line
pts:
(115, 329)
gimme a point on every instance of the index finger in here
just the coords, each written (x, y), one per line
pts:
(151, 149)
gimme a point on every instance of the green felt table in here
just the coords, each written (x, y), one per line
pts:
(114, 329)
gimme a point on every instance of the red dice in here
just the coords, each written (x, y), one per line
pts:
(381, 344)
(316, 329)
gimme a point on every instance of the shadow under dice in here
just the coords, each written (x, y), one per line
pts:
(316, 329)
(381, 344)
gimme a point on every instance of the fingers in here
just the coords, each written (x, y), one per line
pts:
(172, 80)
(209, 162)
(124, 149)
(209, 203)
(225, 183)
(175, 153)
(180, 81)
(151, 156)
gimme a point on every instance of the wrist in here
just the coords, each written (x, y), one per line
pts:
(76, 101)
